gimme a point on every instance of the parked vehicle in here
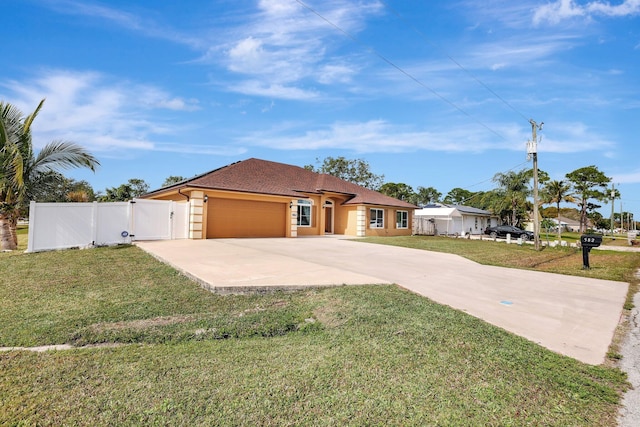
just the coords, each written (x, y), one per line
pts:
(503, 230)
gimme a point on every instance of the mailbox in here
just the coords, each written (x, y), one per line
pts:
(588, 241)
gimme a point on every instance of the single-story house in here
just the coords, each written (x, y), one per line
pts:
(456, 219)
(571, 224)
(259, 198)
(566, 224)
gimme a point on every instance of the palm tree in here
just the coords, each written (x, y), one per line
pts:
(514, 186)
(558, 192)
(20, 167)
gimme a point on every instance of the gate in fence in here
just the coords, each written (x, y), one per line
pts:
(423, 226)
(70, 225)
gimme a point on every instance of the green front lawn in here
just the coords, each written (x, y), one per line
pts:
(174, 354)
(609, 265)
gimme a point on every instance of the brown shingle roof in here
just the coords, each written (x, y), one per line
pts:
(265, 177)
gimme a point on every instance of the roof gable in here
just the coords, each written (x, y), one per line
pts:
(266, 177)
(440, 209)
(472, 210)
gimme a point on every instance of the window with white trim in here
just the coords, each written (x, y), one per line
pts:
(376, 218)
(402, 219)
(304, 213)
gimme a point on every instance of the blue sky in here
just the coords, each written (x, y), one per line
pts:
(432, 94)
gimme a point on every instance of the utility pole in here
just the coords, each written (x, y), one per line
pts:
(621, 217)
(532, 151)
(613, 199)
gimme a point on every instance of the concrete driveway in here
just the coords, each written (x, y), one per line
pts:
(570, 315)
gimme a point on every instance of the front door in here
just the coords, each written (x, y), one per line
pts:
(328, 217)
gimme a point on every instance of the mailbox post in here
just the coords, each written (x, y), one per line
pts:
(588, 241)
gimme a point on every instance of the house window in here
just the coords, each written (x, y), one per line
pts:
(304, 213)
(402, 219)
(376, 220)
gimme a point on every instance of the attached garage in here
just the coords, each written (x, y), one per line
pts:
(245, 218)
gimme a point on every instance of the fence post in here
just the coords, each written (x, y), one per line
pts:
(32, 225)
(94, 223)
(171, 216)
(132, 232)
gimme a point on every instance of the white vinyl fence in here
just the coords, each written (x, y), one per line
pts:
(71, 225)
(423, 226)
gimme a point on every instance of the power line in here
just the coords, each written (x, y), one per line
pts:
(421, 34)
(490, 179)
(397, 67)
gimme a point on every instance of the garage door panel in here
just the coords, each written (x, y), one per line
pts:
(244, 218)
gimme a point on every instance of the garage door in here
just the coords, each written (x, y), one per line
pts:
(243, 218)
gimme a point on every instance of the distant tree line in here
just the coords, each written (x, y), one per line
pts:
(511, 200)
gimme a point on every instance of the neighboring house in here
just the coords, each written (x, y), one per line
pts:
(573, 225)
(258, 198)
(566, 224)
(456, 219)
(569, 224)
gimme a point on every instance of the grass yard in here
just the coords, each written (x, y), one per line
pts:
(610, 265)
(174, 354)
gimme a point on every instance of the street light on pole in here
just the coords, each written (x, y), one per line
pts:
(532, 153)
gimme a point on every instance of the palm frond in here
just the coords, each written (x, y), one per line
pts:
(11, 182)
(31, 117)
(63, 155)
(10, 123)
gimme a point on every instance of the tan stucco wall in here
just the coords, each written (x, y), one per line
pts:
(319, 214)
(317, 221)
(390, 228)
(348, 220)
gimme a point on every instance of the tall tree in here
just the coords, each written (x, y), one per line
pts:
(588, 183)
(20, 167)
(135, 187)
(139, 186)
(457, 196)
(557, 192)
(357, 171)
(495, 201)
(599, 221)
(398, 191)
(428, 195)
(172, 179)
(55, 187)
(514, 187)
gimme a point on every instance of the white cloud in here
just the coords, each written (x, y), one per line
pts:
(627, 178)
(374, 136)
(380, 136)
(247, 56)
(91, 109)
(152, 97)
(200, 150)
(562, 10)
(513, 52)
(282, 44)
(123, 19)
(272, 90)
(286, 45)
(335, 73)
(626, 8)
(573, 137)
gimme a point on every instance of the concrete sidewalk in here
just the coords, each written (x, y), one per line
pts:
(570, 315)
